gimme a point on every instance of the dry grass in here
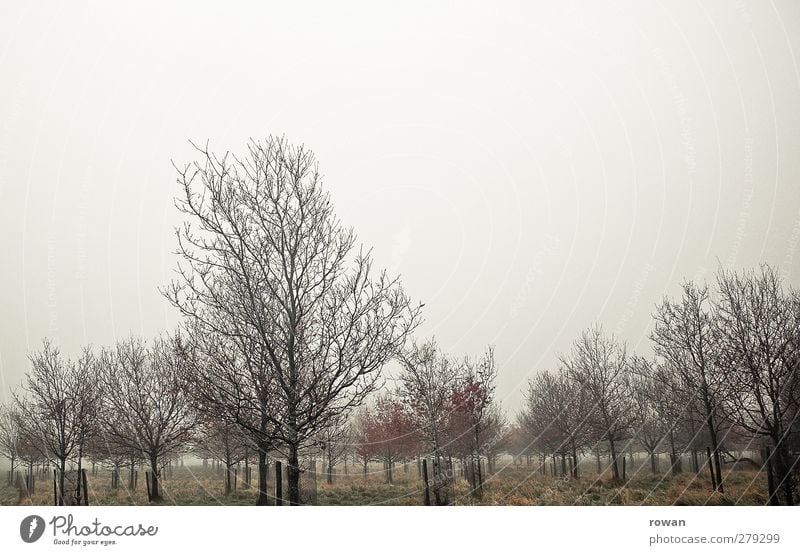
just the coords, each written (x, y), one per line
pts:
(511, 486)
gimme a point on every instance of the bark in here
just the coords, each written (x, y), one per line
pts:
(62, 469)
(614, 465)
(155, 494)
(262, 477)
(293, 475)
(228, 472)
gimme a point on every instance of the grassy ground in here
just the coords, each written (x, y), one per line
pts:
(510, 486)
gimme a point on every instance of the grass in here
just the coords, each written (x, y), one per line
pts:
(512, 485)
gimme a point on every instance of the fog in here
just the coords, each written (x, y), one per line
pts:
(528, 168)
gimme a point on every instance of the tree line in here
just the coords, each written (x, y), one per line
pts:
(286, 327)
(723, 379)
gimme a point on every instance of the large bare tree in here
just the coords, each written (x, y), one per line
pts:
(266, 263)
(758, 322)
(146, 406)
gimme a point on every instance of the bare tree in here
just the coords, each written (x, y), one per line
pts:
(684, 337)
(60, 401)
(428, 380)
(496, 435)
(555, 413)
(363, 432)
(230, 380)
(264, 257)
(759, 325)
(224, 442)
(10, 438)
(599, 365)
(651, 426)
(146, 404)
(662, 403)
(474, 398)
(335, 440)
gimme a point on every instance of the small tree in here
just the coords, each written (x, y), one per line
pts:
(473, 399)
(222, 441)
(146, 404)
(9, 438)
(335, 441)
(599, 365)
(684, 337)
(391, 432)
(650, 426)
(60, 401)
(363, 428)
(428, 380)
(555, 414)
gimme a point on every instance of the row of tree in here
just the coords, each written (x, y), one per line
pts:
(286, 327)
(724, 377)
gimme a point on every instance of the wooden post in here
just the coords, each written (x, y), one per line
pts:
(278, 484)
(711, 468)
(85, 488)
(427, 498)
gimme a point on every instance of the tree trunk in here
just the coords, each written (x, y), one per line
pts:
(675, 465)
(262, 476)
(784, 473)
(78, 486)
(246, 480)
(653, 466)
(228, 471)
(614, 466)
(62, 469)
(293, 475)
(574, 459)
(155, 494)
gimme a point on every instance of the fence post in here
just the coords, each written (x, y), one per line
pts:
(278, 484)
(427, 498)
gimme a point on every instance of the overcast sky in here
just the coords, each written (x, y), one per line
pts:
(529, 168)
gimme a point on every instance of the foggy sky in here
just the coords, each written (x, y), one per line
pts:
(529, 168)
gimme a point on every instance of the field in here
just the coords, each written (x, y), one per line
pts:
(511, 485)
